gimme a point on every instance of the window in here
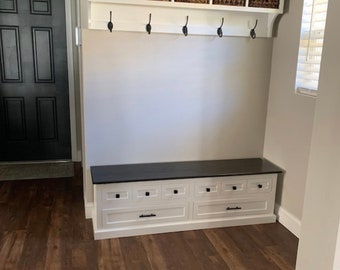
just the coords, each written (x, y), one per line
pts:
(311, 43)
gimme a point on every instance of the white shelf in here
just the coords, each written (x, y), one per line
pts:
(169, 17)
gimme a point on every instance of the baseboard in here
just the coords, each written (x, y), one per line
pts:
(189, 225)
(292, 223)
(89, 210)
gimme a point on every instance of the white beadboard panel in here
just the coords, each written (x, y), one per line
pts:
(172, 98)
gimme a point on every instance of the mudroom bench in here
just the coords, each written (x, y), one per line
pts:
(136, 199)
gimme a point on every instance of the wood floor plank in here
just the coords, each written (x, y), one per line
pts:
(203, 249)
(110, 255)
(250, 250)
(11, 249)
(227, 248)
(5, 188)
(273, 253)
(35, 245)
(134, 254)
(57, 251)
(176, 252)
(43, 226)
(153, 251)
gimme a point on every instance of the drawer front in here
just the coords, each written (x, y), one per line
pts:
(207, 188)
(233, 187)
(176, 191)
(142, 216)
(222, 209)
(116, 195)
(259, 185)
(145, 193)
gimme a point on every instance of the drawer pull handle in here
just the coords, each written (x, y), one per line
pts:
(234, 187)
(147, 193)
(207, 189)
(259, 185)
(146, 216)
(117, 196)
(234, 208)
(175, 191)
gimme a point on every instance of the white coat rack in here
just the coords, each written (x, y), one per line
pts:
(182, 18)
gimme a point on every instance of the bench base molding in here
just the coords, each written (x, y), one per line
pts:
(181, 226)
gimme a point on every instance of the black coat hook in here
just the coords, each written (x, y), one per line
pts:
(252, 31)
(110, 24)
(148, 26)
(219, 30)
(185, 27)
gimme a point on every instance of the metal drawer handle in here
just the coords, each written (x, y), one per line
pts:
(259, 185)
(234, 208)
(175, 191)
(117, 196)
(234, 187)
(146, 216)
(147, 193)
(207, 189)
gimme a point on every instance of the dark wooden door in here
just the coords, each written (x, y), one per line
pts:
(34, 95)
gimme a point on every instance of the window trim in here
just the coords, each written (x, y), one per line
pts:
(300, 89)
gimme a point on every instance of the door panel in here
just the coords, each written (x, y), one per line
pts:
(42, 7)
(9, 6)
(15, 119)
(43, 54)
(47, 118)
(34, 104)
(10, 53)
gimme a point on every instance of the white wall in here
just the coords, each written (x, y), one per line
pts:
(154, 98)
(321, 212)
(289, 119)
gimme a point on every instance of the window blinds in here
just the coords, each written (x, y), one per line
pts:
(311, 43)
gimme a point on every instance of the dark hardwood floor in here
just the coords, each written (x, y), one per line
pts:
(42, 226)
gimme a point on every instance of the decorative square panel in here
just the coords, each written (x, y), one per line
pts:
(8, 6)
(41, 7)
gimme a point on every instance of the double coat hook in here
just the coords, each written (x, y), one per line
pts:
(110, 24)
(148, 26)
(252, 31)
(219, 30)
(185, 27)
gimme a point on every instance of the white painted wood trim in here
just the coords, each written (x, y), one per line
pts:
(181, 226)
(71, 85)
(89, 209)
(292, 223)
(169, 17)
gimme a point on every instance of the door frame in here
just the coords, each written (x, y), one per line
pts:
(73, 80)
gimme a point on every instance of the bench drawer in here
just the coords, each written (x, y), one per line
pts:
(115, 195)
(207, 187)
(259, 185)
(176, 191)
(145, 193)
(233, 187)
(142, 216)
(227, 208)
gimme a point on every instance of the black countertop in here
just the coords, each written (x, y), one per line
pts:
(179, 170)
